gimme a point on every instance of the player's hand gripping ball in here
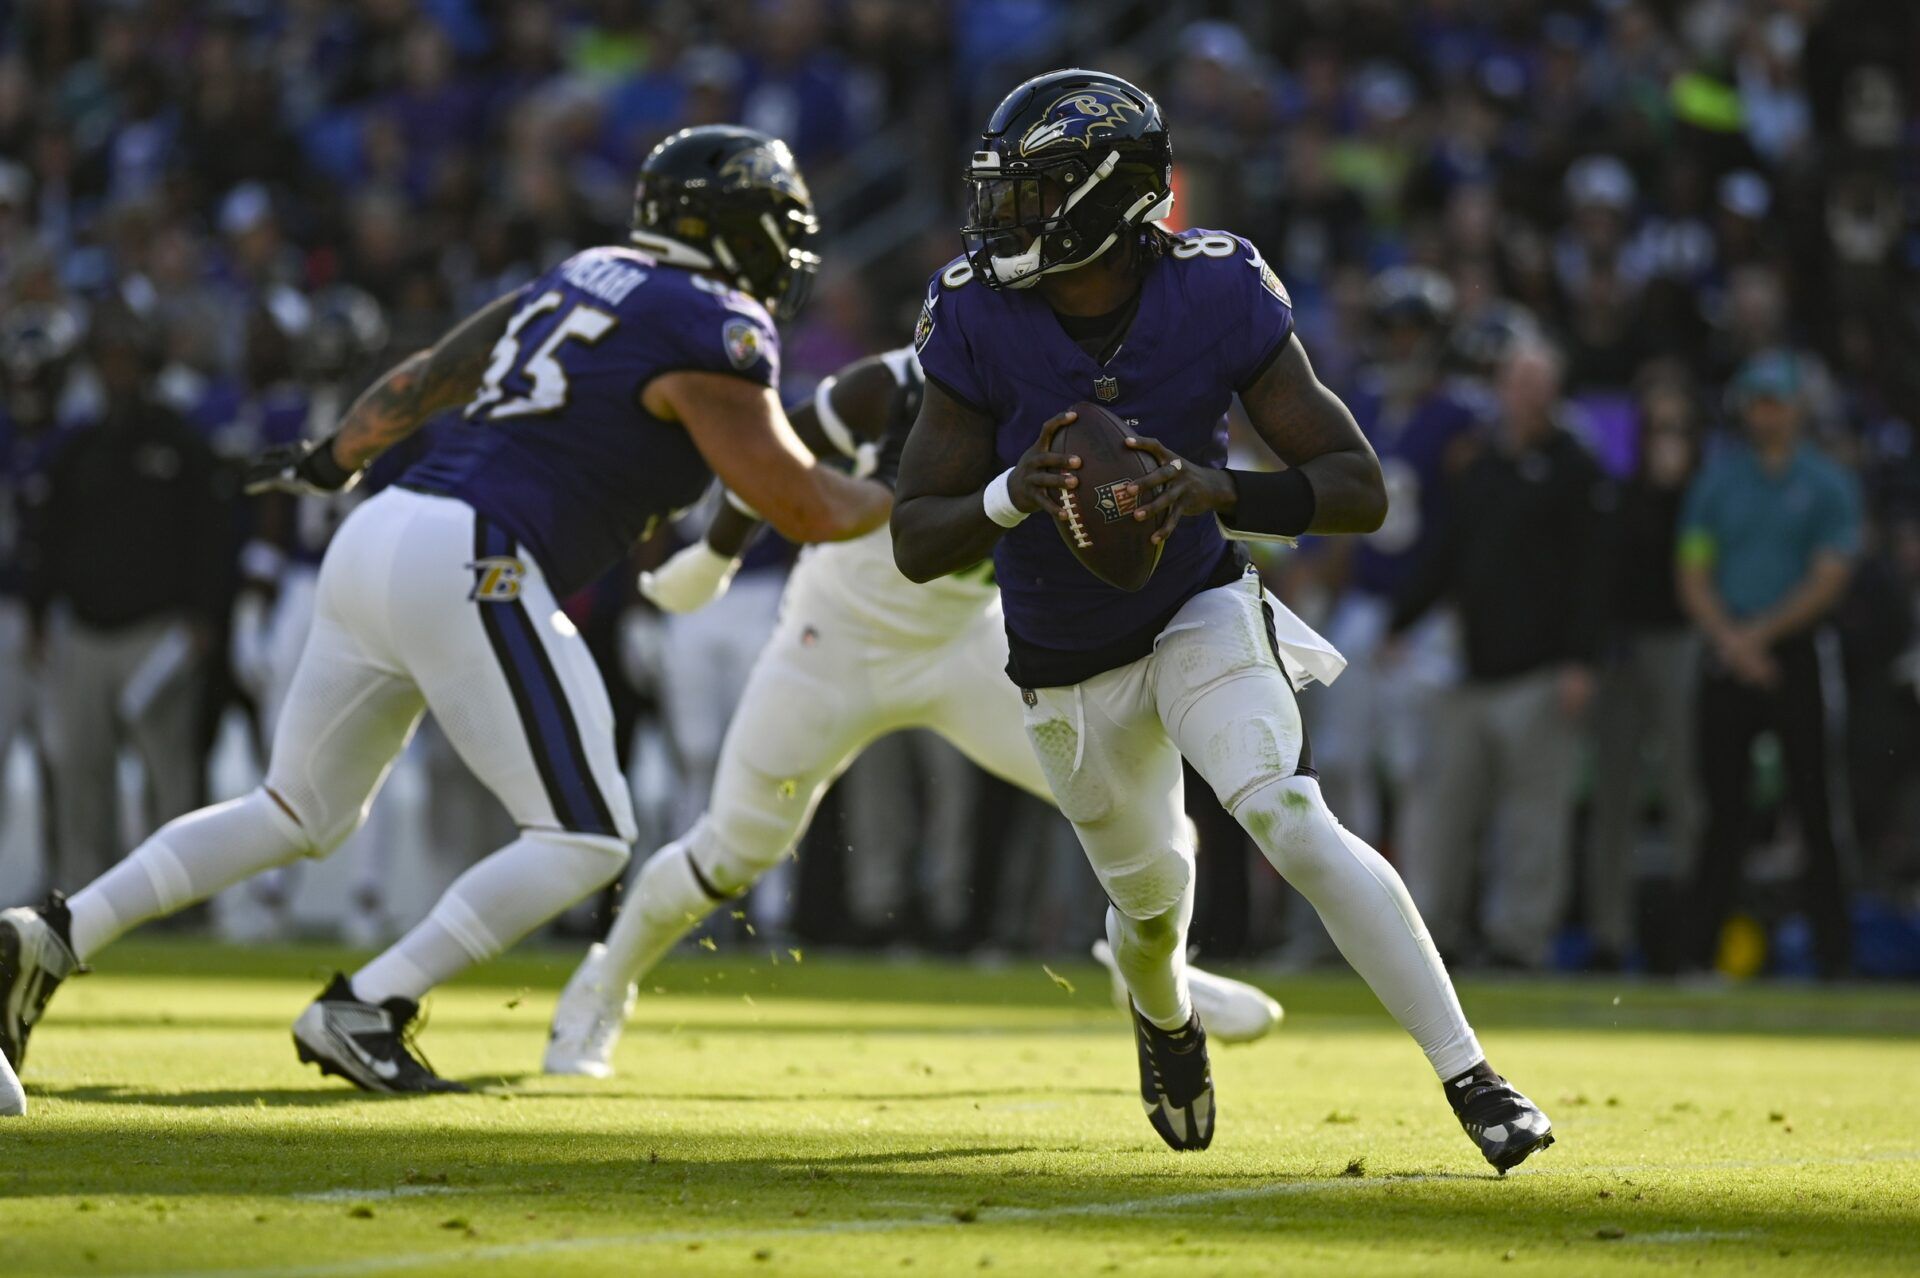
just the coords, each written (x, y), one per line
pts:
(1093, 483)
(1175, 488)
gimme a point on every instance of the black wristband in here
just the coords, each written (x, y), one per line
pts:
(323, 468)
(1277, 502)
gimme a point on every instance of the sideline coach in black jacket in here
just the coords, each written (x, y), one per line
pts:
(125, 579)
(1522, 560)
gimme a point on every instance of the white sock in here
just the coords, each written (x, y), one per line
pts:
(665, 901)
(1152, 957)
(1368, 914)
(188, 859)
(491, 906)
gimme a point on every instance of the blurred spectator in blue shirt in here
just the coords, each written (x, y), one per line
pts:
(1768, 538)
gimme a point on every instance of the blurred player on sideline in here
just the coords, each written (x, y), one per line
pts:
(1423, 429)
(599, 398)
(1070, 288)
(860, 652)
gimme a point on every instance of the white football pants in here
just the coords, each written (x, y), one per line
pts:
(424, 603)
(825, 687)
(1215, 691)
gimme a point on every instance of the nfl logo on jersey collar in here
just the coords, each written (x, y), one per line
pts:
(1106, 389)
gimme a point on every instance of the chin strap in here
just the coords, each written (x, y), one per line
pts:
(671, 251)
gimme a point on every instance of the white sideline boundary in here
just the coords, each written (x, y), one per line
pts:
(1156, 1205)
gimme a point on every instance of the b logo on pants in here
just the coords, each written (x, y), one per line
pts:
(496, 579)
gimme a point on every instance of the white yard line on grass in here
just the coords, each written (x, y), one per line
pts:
(467, 1257)
(375, 1195)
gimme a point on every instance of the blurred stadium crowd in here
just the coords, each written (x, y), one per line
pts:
(1613, 285)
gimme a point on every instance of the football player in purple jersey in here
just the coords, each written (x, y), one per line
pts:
(1068, 289)
(599, 398)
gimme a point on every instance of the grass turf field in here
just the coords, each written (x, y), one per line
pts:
(844, 1118)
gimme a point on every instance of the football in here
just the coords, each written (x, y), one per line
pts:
(1099, 526)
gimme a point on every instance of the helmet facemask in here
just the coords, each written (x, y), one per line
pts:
(770, 260)
(1039, 216)
(732, 202)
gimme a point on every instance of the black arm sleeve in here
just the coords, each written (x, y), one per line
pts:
(1278, 502)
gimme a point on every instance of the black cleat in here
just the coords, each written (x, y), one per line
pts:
(35, 956)
(1176, 1084)
(368, 1044)
(1504, 1124)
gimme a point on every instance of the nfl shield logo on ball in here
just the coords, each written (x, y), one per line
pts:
(1115, 501)
(1106, 389)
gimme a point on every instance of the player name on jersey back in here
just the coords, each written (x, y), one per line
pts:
(556, 446)
(607, 277)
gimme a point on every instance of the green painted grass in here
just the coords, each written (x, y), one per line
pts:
(850, 1118)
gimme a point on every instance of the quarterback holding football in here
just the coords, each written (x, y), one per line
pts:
(1132, 651)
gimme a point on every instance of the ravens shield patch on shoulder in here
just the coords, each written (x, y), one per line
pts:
(744, 342)
(1273, 284)
(923, 327)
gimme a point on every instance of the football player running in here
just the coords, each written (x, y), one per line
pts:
(859, 652)
(1069, 288)
(599, 398)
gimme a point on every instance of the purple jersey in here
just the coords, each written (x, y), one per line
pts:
(1414, 448)
(555, 447)
(1212, 315)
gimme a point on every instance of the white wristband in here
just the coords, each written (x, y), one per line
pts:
(998, 500)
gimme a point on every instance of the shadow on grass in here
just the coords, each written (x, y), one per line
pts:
(652, 1021)
(631, 1189)
(1596, 1003)
(500, 1086)
(236, 1098)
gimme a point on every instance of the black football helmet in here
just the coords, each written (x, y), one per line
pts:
(723, 198)
(1069, 162)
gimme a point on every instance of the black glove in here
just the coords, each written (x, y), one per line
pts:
(306, 468)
